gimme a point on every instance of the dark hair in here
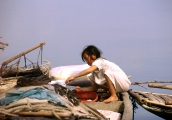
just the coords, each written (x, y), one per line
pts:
(91, 50)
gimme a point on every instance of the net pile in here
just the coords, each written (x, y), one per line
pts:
(15, 70)
(33, 80)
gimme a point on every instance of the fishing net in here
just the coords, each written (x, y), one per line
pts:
(66, 93)
(15, 70)
(35, 79)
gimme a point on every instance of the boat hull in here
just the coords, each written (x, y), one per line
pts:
(154, 102)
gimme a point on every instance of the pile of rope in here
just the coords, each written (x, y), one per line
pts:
(66, 93)
(45, 108)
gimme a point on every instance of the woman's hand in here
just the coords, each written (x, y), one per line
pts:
(70, 79)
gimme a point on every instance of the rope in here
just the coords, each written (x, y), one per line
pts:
(134, 104)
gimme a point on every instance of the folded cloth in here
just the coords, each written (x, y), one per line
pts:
(110, 114)
(38, 93)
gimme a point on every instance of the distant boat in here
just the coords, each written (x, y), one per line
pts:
(158, 104)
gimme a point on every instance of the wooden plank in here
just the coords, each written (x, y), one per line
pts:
(45, 113)
(159, 98)
(168, 102)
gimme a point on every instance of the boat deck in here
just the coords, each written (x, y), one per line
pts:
(124, 106)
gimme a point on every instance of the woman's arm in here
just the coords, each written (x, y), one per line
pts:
(82, 73)
(86, 71)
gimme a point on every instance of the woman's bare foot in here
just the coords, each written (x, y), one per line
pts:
(111, 99)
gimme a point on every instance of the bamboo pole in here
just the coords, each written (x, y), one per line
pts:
(155, 81)
(167, 104)
(44, 113)
(137, 96)
(155, 109)
(160, 86)
(23, 53)
(148, 102)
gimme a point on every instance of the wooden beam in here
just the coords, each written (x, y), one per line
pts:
(160, 86)
(155, 81)
(169, 102)
(23, 53)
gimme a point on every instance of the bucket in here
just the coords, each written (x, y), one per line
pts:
(87, 96)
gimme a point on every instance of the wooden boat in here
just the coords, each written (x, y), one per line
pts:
(124, 106)
(9, 80)
(158, 104)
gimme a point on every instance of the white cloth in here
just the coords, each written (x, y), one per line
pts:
(113, 71)
(63, 72)
(110, 114)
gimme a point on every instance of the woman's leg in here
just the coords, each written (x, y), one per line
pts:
(112, 90)
(90, 88)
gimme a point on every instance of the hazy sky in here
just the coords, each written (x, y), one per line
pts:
(135, 34)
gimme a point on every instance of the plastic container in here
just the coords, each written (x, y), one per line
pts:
(87, 96)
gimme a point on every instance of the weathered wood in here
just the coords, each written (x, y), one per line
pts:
(137, 96)
(169, 102)
(127, 113)
(23, 53)
(159, 98)
(161, 109)
(153, 97)
(157, 103)
(116, 106)
(44, 113)
(166, 99)
(160, 86)
(155, 81)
